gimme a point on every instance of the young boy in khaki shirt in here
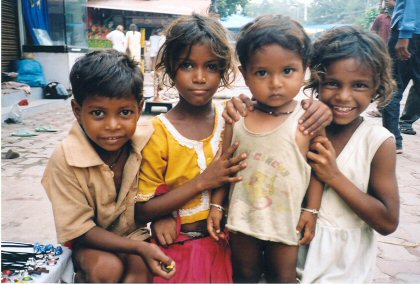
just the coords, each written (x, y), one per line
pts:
(92, 176)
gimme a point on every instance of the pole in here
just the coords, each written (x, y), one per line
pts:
(142, 46)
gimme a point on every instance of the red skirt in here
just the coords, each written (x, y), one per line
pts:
(200, 260)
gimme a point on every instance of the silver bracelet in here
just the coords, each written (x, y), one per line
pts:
(311, 210)
(219, 207)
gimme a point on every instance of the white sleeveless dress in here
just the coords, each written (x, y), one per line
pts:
(344, 247)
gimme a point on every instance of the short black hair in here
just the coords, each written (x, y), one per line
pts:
(106, 73)
(273, 29)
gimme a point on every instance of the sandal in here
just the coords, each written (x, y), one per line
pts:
(46, 129)
(24, 133)
(408, 130)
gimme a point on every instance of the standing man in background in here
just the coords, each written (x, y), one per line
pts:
(155, 43)
(133, 43)
(382, 27)
(408, 50)
(382, 23)
(117, 38)
(404, 48)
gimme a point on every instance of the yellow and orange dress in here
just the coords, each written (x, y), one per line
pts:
(170, 160)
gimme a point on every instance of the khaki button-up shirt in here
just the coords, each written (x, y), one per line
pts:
(81, 188)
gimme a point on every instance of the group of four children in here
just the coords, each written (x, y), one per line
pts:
(278, 179)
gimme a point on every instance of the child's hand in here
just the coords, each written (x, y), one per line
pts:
(317, 116)
(157, 261)
(164, 230)
(306, 225)
(214, 224)
(222, 169)
(235, 105)
(322, 158)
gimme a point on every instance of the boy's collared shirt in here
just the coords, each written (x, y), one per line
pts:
(82, 190)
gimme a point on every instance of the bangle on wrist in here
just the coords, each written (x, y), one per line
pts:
(311, 210)
(217, 206)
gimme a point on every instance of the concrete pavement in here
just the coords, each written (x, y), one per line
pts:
(26, 214)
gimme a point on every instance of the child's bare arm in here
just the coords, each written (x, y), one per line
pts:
(217, 211)
(309, 214)
(317, 114)
(222, 170)
(379, 208)
(218, 195)
(102, 239)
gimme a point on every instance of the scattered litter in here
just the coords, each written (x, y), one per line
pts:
(10, 121)
(23, 102)
(10, 155)
(15, 115)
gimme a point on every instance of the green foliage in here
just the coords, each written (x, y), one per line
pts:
(340, 11)
(361, 12)
(227, 7)
(289, 8)
(368, 18)
(99, 43)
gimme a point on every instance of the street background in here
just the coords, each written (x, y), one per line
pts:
(26, 214)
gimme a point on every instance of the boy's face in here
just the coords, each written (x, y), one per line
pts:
(108, 122)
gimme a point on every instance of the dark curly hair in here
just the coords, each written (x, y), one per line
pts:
(106, 73)
(353, 42)
(273, 29)
(189, 30)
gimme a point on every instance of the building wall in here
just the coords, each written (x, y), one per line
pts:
(10, 44)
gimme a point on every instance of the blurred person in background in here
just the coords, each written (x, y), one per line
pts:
(404, 48)
(117, 38)
(382, 23)
(133, 43)
(154, 47)
(382, 26)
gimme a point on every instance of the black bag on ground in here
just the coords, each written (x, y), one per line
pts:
(55, 90)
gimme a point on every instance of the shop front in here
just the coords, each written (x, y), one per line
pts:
(57, 32)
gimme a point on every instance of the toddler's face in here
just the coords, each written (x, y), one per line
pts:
(198, 76)
(274, 75)
(108, 122)
(347, 88)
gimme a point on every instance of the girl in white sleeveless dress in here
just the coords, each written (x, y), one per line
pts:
(356, 159)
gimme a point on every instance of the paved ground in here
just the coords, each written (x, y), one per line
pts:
(26, 214)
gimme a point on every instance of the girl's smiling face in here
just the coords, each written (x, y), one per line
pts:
(108, 122)
(198, 77)
(347, 88)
